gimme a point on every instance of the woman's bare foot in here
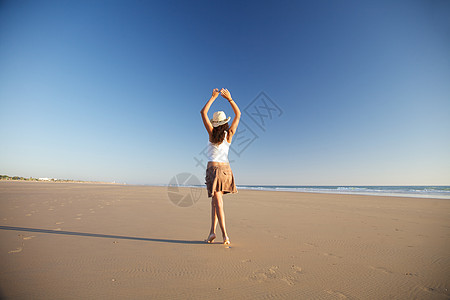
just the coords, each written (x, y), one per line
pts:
(226, 240)
(210, 238)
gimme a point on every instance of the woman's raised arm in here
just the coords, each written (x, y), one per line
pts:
(205, 110)
(226, 94)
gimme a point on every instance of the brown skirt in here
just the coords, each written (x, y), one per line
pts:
(219, 178)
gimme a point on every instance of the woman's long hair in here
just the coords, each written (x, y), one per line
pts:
(218, 134)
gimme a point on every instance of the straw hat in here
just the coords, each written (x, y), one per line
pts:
(219, 118)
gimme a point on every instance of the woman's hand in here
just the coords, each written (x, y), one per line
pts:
(215, 93)
(226, 94)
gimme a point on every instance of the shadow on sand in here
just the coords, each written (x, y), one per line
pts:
(99, 235)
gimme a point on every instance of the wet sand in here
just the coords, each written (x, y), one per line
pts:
(98, 241)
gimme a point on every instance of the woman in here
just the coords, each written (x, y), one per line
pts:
(219, 177)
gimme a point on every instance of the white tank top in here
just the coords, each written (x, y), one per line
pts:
(219, 153)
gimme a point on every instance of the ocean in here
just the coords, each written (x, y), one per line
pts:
(437, 192)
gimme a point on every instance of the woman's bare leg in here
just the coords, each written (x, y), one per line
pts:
(217, 198)
(213, 217)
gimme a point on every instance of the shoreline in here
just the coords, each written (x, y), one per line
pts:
(374, 194)
(335, 192)
(261, 189)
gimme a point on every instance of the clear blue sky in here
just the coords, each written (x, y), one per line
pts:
(112, 90)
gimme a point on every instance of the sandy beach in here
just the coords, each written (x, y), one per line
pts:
(96, 241)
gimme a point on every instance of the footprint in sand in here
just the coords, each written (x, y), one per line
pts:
(264, 274)
(280, 237)
(332, 255)
(436, 291)
(381, 269)
(273, 273)
(289, 280)
(296, 269)
(337, 294)
(57, 223)
(28, 237)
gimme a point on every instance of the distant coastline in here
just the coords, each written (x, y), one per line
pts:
(55, 180)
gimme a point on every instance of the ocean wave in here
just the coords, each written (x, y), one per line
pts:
(438, 192)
